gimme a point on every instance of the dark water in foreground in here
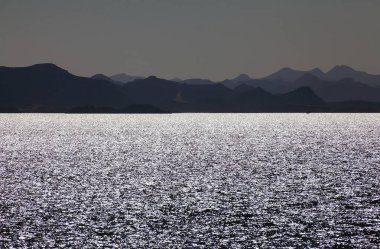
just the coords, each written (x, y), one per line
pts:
(190, 181)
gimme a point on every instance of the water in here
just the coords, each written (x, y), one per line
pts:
(190, 181)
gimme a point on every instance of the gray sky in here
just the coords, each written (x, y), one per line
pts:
(214, 39)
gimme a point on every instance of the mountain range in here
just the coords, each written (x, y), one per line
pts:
(49, 88)
(336, 73)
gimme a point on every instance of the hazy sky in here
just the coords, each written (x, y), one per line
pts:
(214, 39)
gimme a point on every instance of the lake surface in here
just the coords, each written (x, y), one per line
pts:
(190, 180)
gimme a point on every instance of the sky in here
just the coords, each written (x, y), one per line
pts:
(215, 39)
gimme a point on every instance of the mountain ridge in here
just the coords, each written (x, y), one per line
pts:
(49, 88)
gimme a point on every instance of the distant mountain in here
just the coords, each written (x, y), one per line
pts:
(303, 96)
(152, 90)
(273, 86)
(101, 77)
(286, 74)
(241, 78)
(206, 98)
(255, 99)
(308, 80)
(175, 97)
(46, 87)
(258, 100)
(342, 72)
(317, 72)
(341, 90)
(243, 87)
(233, 83)
(348, 90)
(125, 78)
(345, 89)
(290, 75)
(230, 83)
(335, 74)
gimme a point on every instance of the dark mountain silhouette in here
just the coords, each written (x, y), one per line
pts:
(286, 74)
(230, 83)
(198, 82)
(243, 87)
(303, 96)
(255, 99)
(273, 86)
(8, 109)
(331, 91)
(259, 100)
(348, 89)
(93, 109)
(233, 83)
(317, 72)
(125, 78)
(341, 90)
(152, 90)
(174, 96)
(342, 72)
(355, 106)
(129, 109)
(335, 74)
(278, 81)
(200, 93)
(310, 80)
(148, 109)
(46, 87)
(104, 77)
(206, 98)
(101, 77)
(241, 78)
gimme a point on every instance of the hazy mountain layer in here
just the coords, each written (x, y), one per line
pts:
(48, 88)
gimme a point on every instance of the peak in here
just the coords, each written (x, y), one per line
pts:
(100, 77)
(342, 68)
(286, 69)
(241, 78)
(152, 77)
(316, 70)
(46, 65)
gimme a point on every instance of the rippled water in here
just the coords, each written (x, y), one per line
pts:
(190, 180)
